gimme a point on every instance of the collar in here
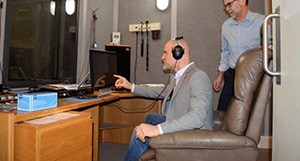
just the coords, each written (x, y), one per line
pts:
(247, 18)
(181, 71)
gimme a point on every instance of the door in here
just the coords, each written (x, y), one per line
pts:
(286, 102)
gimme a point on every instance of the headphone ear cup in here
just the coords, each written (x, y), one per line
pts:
(177, 52)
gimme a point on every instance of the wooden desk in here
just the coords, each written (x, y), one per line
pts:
(118, 119)
(8, 120)
(116, 124)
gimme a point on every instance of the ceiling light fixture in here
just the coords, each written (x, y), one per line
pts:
(162, 4)
(70, 6)
(52, 8)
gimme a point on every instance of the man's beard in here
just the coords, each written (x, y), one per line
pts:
(164, 67)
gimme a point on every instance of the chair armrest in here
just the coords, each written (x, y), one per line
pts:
(201, 139)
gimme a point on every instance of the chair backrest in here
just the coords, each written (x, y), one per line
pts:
(259, 107)
(251, 91)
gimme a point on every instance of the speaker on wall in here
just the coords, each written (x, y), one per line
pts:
(123, 58)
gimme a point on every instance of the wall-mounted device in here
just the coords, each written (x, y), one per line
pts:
(146, 27)
(143, 27)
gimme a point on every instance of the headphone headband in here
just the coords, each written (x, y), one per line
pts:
(179, 38)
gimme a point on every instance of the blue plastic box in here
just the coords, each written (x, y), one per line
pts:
(37, 101)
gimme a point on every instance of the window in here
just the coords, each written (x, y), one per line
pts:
(40, 43)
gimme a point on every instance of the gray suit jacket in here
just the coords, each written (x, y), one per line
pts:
(191, 104)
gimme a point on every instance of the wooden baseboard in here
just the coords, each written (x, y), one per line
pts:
(265, 142)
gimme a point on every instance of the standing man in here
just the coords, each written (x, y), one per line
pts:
(187, 100)
(241, 32)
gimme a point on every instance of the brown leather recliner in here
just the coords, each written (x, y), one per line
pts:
(236, 132)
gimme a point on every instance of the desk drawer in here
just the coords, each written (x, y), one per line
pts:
(53, 137)
(80, 155)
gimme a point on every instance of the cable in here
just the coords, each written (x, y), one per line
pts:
(94, 18)
(142, 39)
(147, 108)
(131, 110)
(168, 81)
(147, 47)
(136, 56)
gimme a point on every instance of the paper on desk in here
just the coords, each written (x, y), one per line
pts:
(52, 118)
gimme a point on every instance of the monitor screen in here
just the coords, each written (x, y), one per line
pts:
(103, 64)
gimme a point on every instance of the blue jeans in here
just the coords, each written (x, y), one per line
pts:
(136, 147)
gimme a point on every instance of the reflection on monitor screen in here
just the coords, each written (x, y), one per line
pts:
(103, 64)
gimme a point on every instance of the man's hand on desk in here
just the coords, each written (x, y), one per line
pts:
(122, 82)
(146, 130)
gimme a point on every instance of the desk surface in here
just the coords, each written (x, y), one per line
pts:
(61, 107)
(122, 94)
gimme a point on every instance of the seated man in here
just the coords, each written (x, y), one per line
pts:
(187, 100)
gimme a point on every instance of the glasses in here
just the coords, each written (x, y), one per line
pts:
(229, 4)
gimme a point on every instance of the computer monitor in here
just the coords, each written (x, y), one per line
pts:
(102, 63)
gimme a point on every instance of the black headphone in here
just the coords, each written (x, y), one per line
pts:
(178, 50)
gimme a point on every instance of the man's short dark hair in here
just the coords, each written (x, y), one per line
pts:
(246, 2)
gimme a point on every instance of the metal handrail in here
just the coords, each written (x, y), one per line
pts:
(265, 45)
